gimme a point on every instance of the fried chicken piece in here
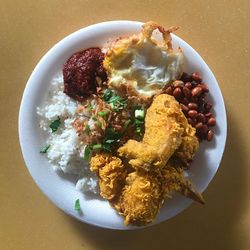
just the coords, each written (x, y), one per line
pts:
(189, 144)
(145, 191)
(141, 198)
(174, 180)
(111, 173)
(163, 135)
(168, 143)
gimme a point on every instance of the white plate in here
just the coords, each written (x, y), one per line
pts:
(61, 191)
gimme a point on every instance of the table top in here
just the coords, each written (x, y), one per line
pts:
(219, 31)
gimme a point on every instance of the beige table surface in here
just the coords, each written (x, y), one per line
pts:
(219, 31)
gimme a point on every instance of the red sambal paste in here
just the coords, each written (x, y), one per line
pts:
(80, 73)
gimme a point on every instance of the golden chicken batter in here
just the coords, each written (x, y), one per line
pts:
(166, 130)
(156, 164)
(111, 173)
(141, 198)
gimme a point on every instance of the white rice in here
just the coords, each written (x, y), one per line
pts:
(66, 150)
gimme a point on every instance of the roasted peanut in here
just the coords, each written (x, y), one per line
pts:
(208, 115)
(178, 83)
(201, 118)
(169, 90)
(199, 125)
(210, 135)
(177, 93)
(196, 91)
(196, 77)
(184, 108)
(190, 92)
(188, 85)
(204, 87)
(192, 113)
(186, 92)
(192, 105)
(211, 121)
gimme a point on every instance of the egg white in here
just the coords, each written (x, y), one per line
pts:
(147, 66)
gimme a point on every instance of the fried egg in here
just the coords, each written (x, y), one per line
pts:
(143, 64)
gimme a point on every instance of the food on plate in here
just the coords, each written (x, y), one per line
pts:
(157, 162)
(128, 122)
(165, 125)
(174, 180)
(63, 147)
(144, 193)
(190, 91)
(141, 198)
(111, 173)
(141, 66)
(83, 72)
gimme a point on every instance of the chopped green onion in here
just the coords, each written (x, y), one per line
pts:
(45, 149)
(138, 122)
(87, 129)
(106, 147)
(55, 125)
(99, 124)
(139, 113)
(87, 152)
(139, 131)
(77, 205)
(112, 105)
(115, 101)
(107, 94)
(127, 123)
(111, 134)
(103, 113)
(90, 107)
(97, 146)
(109, 141)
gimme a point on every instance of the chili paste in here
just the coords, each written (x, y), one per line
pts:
(80, 73)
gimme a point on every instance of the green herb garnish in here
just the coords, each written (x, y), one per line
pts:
(127, 123)
(139, 120)
(111, 134)
(45, 149)
(90, 107)
(96, 146)
(99, 124)
(77, 205)
(55, 125)
(103, 113)
(111, 139)
(115, 101)
(87, 152)
(139, 113)
(87, 129)
(138, 130)
(107, 95)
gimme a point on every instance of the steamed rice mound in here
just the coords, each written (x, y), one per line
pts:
(65, 151)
